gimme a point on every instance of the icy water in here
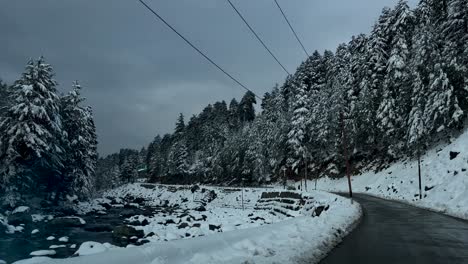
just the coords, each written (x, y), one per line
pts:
(18, 246)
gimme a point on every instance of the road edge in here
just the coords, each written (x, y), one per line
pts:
(434, 210)
(349, 229)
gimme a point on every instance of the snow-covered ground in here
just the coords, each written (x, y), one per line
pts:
(228, 229)
(192, 214)
(444, 171)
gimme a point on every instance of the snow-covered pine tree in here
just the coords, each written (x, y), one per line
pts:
(439, 101)
(424, 48)
(180, 126)
(454, 37)
(298, 136)
(379, 48)
(4, 97)
(154, 159)
(30, 145)
(80, 144)
(338, 99)
(234, 118)
(392, 113)
(128, 161)
(455, 28)
(246, 107)
(416, 128)
(275, 128)
(178, 163)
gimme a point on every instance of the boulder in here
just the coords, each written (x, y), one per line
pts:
(183, 225)
(211, 196)
(214, 227)
(106, 205)
(68, 221)
(453, 154)
(257, 218)
(65, 211)
(19, 218)
(98, 228)
(195, 188)
(139, 200)
(169, 221)
(200, 208)
(141, 242)
(319, 209)
(128, 212)
(121, 234)
(45, 204)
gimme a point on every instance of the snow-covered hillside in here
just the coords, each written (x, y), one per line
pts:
(444, 172)
(271, 228)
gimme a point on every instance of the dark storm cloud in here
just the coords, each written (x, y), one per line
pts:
(137, 75)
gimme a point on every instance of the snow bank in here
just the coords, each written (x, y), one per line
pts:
(43, 253)
(444, 180)
(302, 238)
(90, 248)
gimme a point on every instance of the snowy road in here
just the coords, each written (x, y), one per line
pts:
(392, 232)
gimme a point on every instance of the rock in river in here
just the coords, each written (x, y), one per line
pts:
(67, 221)
(121, 234)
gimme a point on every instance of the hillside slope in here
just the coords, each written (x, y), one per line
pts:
(444, 171)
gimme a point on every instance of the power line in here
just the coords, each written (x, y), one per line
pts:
(259, 39)
(292, 29)
(195, 48)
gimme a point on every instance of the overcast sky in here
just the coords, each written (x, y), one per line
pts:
(138, 75)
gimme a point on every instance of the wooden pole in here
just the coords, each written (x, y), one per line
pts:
(300, 178)
(345, 152)
(285, 181)
(419, 173)
(316, 177)
(242, 197)
(305, 181)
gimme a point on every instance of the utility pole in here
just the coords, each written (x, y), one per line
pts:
(284, 178)
(242, 193)
(305, 182)
(300, 177)
(316, 177)
(345, 152)
(419, 172)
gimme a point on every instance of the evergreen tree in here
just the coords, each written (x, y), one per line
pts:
(178, 164)
(298, 136)
(180, 125)
(80, 144)
(417, 130)
(395, 103)
(234, 118)
(154, 159)
(30, 147)
(128, 164)
(246, 107)
(440, 98)
(4, 98)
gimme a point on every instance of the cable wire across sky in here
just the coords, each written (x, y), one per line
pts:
(195, 48)
(292, 29)
(256, 35)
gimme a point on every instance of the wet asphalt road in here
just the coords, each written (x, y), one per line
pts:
(392, 232)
